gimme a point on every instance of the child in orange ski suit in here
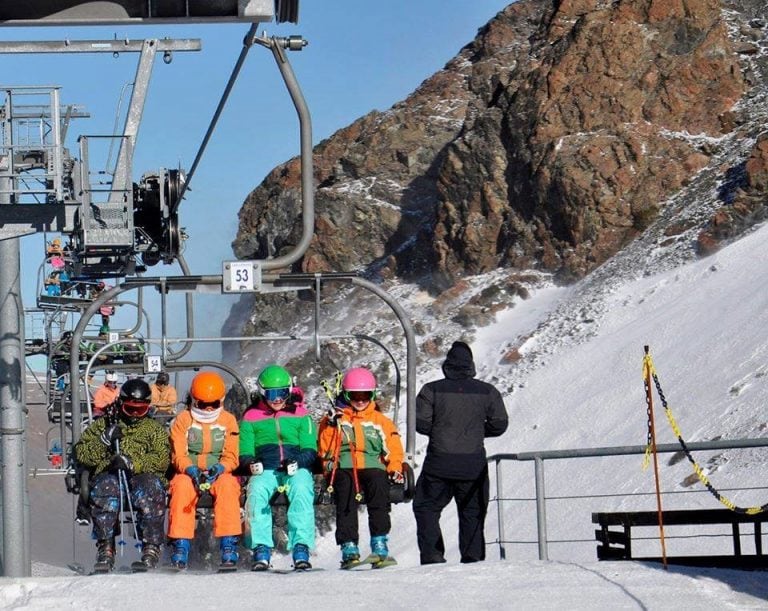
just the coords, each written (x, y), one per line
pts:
(204, 452)
(362, 453)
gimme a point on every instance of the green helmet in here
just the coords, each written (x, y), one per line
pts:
(274, 376)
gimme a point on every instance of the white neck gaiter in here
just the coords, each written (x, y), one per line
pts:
(204, 416)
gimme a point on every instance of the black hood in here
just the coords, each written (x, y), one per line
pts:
(459, 363)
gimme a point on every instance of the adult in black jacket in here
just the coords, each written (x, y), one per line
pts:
(457, 414)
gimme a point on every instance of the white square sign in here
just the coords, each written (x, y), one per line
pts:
(241, 277)
(153, 364)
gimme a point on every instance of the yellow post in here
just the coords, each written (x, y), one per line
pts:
(647, 374)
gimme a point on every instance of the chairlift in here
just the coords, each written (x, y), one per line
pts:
(57, 288)
(55, 451)
(108, 239)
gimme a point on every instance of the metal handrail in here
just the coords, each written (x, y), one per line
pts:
(538, 458)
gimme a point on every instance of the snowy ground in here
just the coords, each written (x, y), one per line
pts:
(492, 585)
(705, 324)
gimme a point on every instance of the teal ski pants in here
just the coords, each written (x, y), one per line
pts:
(299, 488)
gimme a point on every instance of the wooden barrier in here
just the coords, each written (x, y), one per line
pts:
(616, 543)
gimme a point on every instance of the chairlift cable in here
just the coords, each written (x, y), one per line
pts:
(247, 44)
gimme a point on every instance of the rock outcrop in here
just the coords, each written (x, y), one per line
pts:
(549, 142)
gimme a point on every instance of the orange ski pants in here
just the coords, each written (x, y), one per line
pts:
(226, 507)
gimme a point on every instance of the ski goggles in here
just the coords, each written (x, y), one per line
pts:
(354, 396)
(135, 409)
(208, 406)
(276, 394)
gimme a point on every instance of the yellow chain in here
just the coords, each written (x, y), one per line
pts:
(648, 367)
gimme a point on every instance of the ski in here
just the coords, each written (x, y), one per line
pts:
(373, 561)
(350, 565)
(292, 571)
(227, 568)
(77, 568)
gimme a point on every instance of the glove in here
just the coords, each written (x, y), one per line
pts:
(194, 474)
(290, 466)
(256, 468)
(396, 477)
(120, 462)
(111, 433)
(214, 472)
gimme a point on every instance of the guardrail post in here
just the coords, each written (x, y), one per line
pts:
(541, 509)
(499, 512)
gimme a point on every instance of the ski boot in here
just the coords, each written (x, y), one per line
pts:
(229, 555)
(261, 557)
(105, 556)
(180, 556)
(379, 547)
(350, 555)
(301, 557)
(380, 557)
(150, 555)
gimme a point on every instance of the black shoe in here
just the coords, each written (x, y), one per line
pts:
(469, 560)
(150, 555)
(432, 560)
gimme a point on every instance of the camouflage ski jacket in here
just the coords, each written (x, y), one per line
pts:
(144, 442)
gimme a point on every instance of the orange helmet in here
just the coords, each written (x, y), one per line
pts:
(207, 386)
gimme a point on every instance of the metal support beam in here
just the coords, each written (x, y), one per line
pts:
(23, 219)
(15, 507)
(127, 12)
(96, 46)
(123, 165)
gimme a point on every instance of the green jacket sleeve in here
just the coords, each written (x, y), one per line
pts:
(247, 449)
(90, 451)
(307, 443)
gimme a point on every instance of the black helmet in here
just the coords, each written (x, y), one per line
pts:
(162, 378)
(135, 397)
(136, 390)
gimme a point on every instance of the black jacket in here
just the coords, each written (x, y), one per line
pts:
(457, 414)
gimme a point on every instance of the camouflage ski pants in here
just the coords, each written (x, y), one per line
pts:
(147, 496)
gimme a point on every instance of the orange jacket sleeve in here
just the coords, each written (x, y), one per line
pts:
(393, 445)
(230, 453)
(327, 439)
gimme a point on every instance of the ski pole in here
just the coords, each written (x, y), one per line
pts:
(130, 508)
(123, 479)
(121, 540)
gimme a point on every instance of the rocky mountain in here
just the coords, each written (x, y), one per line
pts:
(564, 132)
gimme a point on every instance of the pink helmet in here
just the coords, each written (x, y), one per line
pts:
(359, 378)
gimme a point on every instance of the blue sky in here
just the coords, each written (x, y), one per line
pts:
(361, 56)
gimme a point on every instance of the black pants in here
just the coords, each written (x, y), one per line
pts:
(147, 495)
(432, 496)
(374, 484)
